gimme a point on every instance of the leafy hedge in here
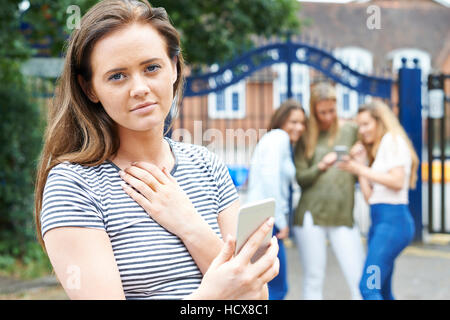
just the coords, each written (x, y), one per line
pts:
(21, 131)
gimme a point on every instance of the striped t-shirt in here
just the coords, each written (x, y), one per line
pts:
(153, 263)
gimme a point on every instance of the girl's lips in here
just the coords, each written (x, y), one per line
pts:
(143, 105)
(144, 109)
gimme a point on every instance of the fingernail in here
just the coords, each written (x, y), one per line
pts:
(121, 173)
(133, 163)
(270, 221)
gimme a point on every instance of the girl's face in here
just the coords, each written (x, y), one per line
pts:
(295, 125)
(133, 77)
(326, 113)
(367, 127)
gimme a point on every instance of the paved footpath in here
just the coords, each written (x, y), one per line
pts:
(422, 272)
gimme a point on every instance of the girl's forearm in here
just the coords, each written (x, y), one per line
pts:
(392, 179)
(366, 188)
(195, 240)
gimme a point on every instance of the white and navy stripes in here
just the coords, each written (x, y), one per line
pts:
(153, 263)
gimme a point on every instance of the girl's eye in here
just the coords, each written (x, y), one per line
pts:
(116, 77)
(153, 68)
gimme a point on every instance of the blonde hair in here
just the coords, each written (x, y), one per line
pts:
(78, 130)
(320, 92)
(388, 122)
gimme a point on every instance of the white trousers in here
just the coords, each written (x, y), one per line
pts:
(311, 241)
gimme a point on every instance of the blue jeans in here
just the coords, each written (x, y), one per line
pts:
(391, 231)
(278, 286)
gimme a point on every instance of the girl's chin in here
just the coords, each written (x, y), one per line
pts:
(368, 140)
(143, 127)
(295, 138)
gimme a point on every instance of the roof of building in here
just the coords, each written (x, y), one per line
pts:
(420, 24)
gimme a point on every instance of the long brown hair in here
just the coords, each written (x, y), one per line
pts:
(78, 130)
(281, 115)
(388, 122)
(319, 92)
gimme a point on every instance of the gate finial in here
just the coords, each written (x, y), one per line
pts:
(404, 60)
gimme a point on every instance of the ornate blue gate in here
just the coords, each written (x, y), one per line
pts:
(288, 52)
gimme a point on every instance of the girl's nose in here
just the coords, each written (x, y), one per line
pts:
(139, 88)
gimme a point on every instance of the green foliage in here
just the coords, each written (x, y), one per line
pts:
(212, 31)
(49, 21)
(217, 30)
(13, 45)
(21, 131)
(13, 49)
(31, 264)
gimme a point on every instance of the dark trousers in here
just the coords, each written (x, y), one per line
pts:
(278, 287)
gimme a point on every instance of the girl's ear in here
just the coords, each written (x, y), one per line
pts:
(87, 89)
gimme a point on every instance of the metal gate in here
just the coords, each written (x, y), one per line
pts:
(438, 165)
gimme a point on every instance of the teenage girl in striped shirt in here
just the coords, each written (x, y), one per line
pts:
(123, 71)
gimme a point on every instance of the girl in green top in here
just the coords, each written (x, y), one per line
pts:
(325, 210)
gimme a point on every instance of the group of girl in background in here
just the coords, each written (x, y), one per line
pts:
(380, 158)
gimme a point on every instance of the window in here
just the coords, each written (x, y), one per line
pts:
(220, 101)
(228, 103)
(299, 78)
(235, 104)
(361, 99)
(360, 60)
(346, 102)
(300, 84)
